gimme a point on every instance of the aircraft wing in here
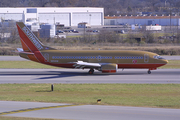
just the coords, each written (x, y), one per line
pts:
(81, 65)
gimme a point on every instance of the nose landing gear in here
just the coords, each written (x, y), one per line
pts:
(149, 71)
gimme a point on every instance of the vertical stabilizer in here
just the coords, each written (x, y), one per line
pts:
(29, 41)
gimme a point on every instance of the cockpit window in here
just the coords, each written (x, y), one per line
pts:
(158, 57)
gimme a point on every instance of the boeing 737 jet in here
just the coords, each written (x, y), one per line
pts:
(106, 61)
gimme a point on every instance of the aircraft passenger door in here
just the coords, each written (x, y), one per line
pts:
(146, 58)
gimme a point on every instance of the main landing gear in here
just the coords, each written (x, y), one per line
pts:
(149, 72)
(91, 71)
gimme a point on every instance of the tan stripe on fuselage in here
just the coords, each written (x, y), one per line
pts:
(54, 55)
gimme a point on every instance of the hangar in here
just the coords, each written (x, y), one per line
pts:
(69, 16)
(143, 20)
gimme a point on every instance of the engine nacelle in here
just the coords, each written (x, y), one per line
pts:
(109, 68)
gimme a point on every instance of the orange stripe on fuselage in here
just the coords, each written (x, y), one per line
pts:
(33, 58)
(24, 46)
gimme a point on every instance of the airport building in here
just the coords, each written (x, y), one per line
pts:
(143, 20)
(68, 16)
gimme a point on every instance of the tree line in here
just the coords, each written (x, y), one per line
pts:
(111, 7)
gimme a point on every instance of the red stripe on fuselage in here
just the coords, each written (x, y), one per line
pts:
(109, 71)
(150, 65)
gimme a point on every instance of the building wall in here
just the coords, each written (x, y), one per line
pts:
(163, 22)
(11, 13)
(52, 18)
(90, 17)
(67, 16)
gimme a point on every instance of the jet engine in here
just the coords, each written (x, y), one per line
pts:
(109, 68)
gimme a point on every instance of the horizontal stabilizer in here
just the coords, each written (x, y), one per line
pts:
(20, 50)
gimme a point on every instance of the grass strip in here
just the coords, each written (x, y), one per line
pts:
(24, 65)
(173, 64)
(143, 95)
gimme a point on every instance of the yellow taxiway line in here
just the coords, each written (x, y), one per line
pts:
(33, 109)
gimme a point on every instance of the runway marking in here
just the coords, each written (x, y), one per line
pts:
(33, 109)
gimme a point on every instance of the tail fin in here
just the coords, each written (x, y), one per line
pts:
(29, 41)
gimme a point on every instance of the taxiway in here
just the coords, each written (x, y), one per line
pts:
(85, 112)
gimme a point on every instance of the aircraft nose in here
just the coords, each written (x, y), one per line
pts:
(165, 61)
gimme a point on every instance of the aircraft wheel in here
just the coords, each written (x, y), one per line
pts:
(91, 71)
(149, 72)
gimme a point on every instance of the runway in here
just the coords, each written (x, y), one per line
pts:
(12, 58)
(78, 76)
(85, 112)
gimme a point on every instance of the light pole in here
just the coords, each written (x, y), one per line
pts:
(170, 16)
(165, 3)
(89, 19)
